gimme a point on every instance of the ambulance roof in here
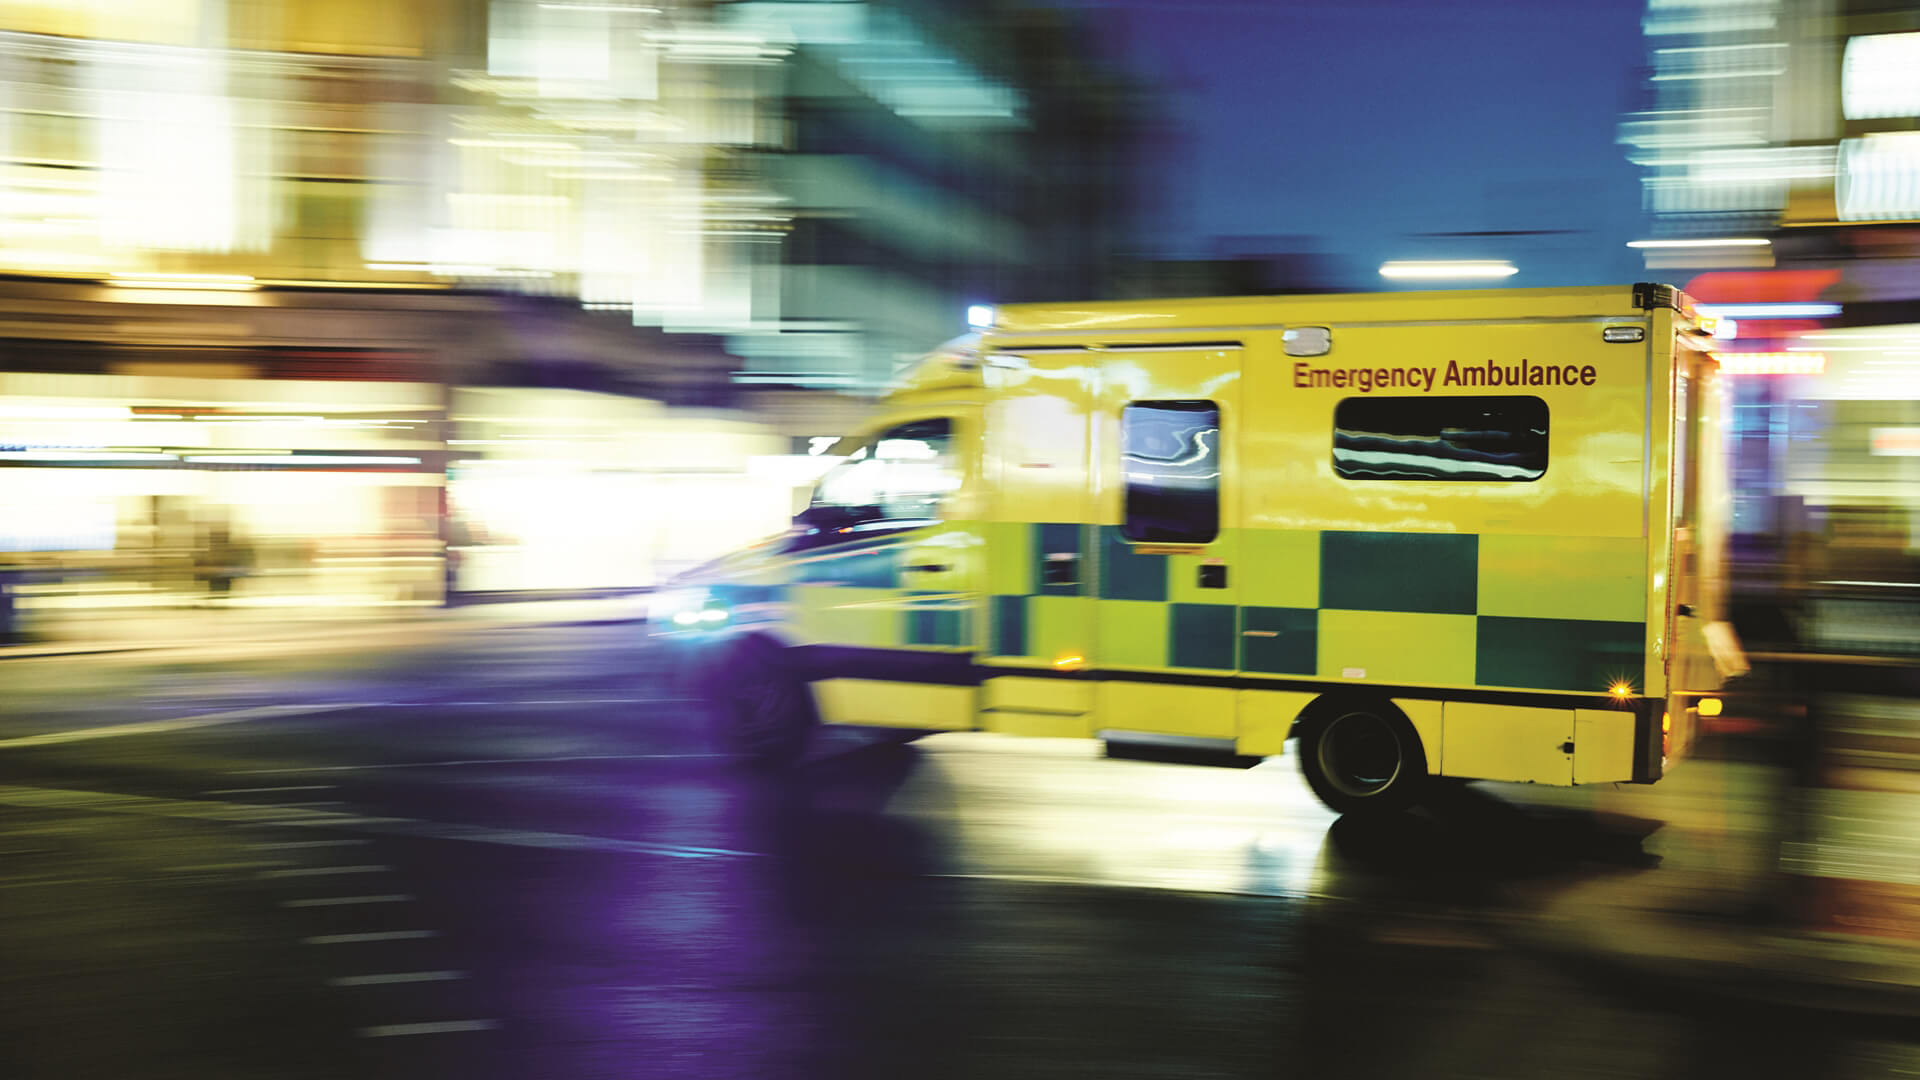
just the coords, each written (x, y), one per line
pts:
(1125, 316)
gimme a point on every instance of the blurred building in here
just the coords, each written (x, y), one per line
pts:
(937, 155)
(273, 271)
(831, 180)
(1780, 142)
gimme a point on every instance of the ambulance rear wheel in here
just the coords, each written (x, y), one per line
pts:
(766, 715)
(1361, 757)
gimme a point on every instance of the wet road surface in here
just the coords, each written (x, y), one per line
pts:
(515, 855)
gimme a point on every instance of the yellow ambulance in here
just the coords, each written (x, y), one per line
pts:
(1430, 534)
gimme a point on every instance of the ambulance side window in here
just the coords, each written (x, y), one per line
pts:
(898, 479)
(1170, 459)
(1440, 438)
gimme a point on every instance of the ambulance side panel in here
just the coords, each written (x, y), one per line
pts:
(1513, 588)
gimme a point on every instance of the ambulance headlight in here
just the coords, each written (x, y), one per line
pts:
(712, 615)
(685, 618)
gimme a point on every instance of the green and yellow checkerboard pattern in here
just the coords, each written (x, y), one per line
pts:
(852, 594)
(1449, 609)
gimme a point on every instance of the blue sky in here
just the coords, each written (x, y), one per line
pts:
(1368, 125)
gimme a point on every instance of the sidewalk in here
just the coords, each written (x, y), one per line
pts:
(1822, 930)
(74, 633)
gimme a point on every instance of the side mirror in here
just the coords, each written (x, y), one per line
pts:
(813, 517)
(835, 517)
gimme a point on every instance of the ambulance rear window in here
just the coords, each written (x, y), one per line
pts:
(1477, 439)
(1170, 456)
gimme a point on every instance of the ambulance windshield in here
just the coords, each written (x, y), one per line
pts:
(899, 477)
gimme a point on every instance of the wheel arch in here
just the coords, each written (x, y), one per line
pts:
(759, 645)
(1422, 715)
(1346, 774)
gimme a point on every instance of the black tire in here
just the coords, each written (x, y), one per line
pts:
(765, 714)
(1361, 757)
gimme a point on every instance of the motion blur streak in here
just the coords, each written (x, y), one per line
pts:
(336, 306)
(376, 376)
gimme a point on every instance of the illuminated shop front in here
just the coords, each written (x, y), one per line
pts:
(566, 490)
(125, 490)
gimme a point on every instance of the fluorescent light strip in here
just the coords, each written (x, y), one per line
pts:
(1770, 311)
(1439, 271)
(225, 282)
(297, 459)
(1745, 241)
(65, 412)
(82, 455)
(1771, 363)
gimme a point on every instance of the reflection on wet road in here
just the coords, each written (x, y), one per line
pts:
(423, 874)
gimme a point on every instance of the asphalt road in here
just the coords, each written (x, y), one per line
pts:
(514, 854)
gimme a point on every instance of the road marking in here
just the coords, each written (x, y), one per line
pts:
(185, 723)
(600, 701)
(558, 841)
(294, 816)
(38, 882)
(461, 762)
(386, 1030)
(323, 871)
(391, 977)
(268, 790)
(1122, 881)
(279, 844)
(341, 901)
(1433, 937)
(378, 935)
(554, 701)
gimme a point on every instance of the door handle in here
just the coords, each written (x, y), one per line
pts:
(1060, 568)
(926, 568)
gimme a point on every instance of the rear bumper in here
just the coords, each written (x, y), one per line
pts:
(1649, 740)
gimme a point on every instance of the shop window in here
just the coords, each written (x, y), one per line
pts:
(1170, 460)
(1440, 438)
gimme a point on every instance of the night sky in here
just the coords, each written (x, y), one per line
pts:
(1364, 127)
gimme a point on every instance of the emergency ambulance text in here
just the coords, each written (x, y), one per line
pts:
(1367, 380)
